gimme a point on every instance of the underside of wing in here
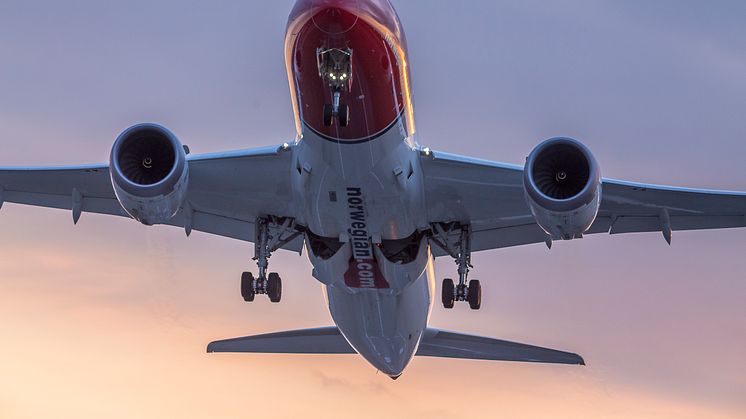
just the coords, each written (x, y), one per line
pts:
(85, 187)
(629, 207)
(490, 198)
(226, 192)
(484, 194)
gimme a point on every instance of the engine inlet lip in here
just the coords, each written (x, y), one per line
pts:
(163, 186)
(584, 197)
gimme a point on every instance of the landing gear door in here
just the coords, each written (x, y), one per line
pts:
(399, 275)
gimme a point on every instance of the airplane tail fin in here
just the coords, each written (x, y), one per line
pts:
(435, 343)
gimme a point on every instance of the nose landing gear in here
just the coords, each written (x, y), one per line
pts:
(342, 114)
(271, 234)
(335, 69)
(460, 250)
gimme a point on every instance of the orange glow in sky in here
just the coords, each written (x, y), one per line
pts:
(110, 319)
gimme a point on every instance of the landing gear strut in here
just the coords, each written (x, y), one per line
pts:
(460, 250)
(271, 234)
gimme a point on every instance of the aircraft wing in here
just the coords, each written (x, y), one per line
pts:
(226, 191)
(490, 196)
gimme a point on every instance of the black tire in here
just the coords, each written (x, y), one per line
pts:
(344, 115)
(447, 293)
(327, 114)
(274, 287)
(247, 286)
(474, 296)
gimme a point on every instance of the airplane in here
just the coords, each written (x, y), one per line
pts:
(370, 206)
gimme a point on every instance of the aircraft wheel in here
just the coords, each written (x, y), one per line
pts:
(474, 295)
(344, 115)
(247, 286)
(274, 287)
(447, 293)
(328, 114)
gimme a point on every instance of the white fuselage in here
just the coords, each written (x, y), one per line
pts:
(357, 180)
(352, 192)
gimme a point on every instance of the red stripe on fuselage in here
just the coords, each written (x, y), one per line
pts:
(377, 94)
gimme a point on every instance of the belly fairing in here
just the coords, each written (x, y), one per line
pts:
(371, 269)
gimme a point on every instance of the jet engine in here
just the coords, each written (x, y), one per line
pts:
(149, 173)
(562, 182)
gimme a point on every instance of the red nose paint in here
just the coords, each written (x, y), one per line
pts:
(375, 90)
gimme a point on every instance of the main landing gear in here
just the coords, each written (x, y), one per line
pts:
(271, 234)
(460, 250)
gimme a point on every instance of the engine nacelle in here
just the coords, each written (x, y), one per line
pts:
(563, 187)
(149, 172)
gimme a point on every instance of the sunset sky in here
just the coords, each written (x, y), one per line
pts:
(110, 319)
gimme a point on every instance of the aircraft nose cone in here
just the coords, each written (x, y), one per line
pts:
(390, 355)
(319, 4)
(334, 17)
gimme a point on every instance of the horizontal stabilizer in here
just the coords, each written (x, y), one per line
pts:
(321, 340)
(437, 343)
(444, 344)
